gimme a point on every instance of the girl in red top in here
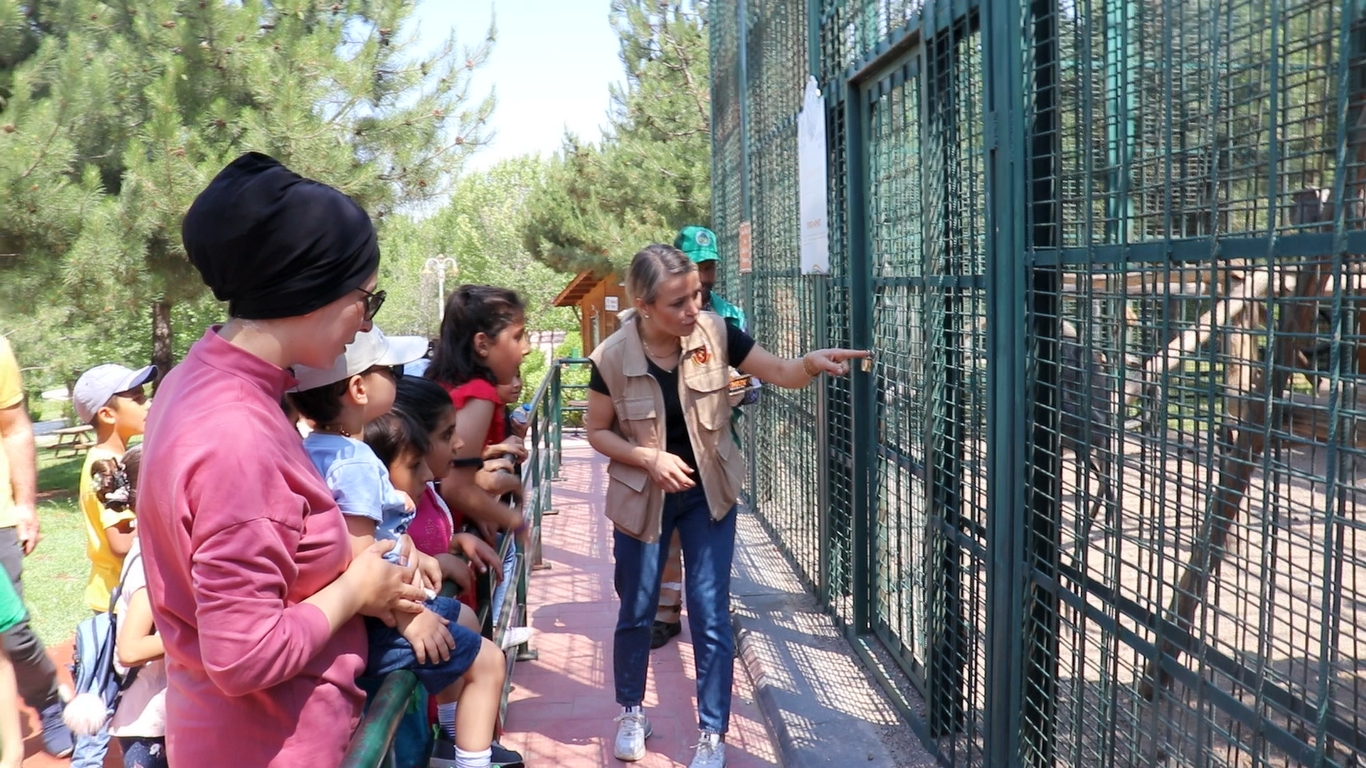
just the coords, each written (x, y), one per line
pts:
(483, 340)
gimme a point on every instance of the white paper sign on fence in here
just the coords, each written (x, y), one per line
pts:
(812, 190)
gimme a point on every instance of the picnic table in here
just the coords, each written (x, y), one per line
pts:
(74, 439)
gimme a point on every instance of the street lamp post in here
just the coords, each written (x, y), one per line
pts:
(439, 265)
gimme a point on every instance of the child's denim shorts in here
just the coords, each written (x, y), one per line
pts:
(390, 651)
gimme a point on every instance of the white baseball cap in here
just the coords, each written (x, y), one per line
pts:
(369, 349)
(98, 385)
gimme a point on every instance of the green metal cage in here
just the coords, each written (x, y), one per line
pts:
(1098, 497)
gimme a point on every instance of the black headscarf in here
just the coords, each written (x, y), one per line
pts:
(274, 244)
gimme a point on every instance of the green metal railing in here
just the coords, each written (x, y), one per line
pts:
(1099, 496)
(372, 746)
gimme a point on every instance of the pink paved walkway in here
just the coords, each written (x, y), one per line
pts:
(561, 709)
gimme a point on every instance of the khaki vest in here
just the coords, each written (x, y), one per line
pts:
(635, 504)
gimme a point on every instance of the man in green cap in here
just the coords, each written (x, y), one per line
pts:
(699, 243)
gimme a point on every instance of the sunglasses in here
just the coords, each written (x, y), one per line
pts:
(396, 371)
(373, 301)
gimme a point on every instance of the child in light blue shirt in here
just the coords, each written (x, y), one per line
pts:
(360, 484)
(441, 645)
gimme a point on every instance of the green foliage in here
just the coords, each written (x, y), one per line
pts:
(113, 117)
(651, 175)
(534, 370)
(54, 341)
(480, 228)
(533, 373)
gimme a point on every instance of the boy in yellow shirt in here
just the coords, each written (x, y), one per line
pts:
(110, 398)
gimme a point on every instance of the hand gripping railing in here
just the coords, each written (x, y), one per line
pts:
(372, 746)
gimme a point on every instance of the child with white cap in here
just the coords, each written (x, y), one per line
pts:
(441, 647)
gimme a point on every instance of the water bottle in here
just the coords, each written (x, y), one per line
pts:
(522, 414)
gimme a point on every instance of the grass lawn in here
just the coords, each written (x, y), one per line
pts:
(55, 574)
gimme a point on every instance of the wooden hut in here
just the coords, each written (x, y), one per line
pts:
(596, 300)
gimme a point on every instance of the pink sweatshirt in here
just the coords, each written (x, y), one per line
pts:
(237, 529)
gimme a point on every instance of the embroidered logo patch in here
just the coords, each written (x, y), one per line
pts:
(701, 356)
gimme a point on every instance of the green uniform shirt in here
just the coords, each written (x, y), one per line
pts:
(11, 607)
(734, 314)
(728, 311)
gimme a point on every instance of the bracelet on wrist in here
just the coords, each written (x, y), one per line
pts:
(807, 368)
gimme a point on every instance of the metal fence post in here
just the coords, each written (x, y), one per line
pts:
(862, 394)
(1003, 62)
(1022, 622)
(556, 419)
(540, 496)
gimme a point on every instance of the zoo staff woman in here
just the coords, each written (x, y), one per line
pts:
(658, 408)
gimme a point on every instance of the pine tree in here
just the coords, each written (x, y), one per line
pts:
(114, 116)
(651, 174)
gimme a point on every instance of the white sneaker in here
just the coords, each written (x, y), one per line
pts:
(515, 636)
(711, 752)
(632, 731)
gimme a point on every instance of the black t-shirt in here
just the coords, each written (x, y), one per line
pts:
(676, 439)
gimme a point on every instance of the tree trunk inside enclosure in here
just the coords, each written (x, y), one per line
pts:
(1243, 439)
(1243, 436)
(163, 350)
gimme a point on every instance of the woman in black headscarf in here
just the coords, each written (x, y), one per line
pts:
(256, 594)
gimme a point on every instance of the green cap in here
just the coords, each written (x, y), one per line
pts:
(699, 243)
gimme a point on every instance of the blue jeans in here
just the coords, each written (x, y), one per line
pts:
(143, 753)
(708, 547)
(390, 651)
(90, 750)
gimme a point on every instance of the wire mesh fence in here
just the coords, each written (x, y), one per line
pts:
(1209, 305)
(1098, 495)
